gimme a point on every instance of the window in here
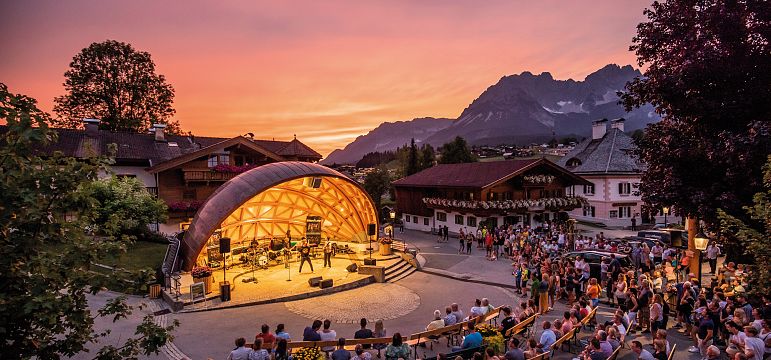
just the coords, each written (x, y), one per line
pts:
(241, 160)
(613, 214)
(589, 211)
(218, 159)
(459, 219)
(624, 188)
(406, 218)
(415, 219)
(471, 221)
(441, 216)
(589, 189)
(425, 221)
(625, 212)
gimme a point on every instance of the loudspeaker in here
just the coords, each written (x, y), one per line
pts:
(314, 281)
(370, 262)
(326, 283)
(371, 229)
(224, 245)
(352, 268)
(224, 291)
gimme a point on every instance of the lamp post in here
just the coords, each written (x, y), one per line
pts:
(700, 243)
(666, 212)
(571, 236)
(392, 215)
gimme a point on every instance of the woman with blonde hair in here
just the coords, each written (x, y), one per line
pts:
(657, 313)
(620, 291)
(740, 317)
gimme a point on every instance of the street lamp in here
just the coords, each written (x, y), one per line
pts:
(700, 243)
(392, 215)
(666, 212)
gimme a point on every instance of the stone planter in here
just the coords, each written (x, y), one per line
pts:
(206, 283)
(385, 249)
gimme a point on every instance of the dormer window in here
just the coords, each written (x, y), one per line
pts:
(573, 162)
(218, 159)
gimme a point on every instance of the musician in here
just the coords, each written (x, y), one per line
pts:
(328, 254)
(305, 254)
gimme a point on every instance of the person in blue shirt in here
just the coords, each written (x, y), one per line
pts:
(471, 340)
(311, 333)
(548, 337)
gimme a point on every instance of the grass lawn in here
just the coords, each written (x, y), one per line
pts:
(140, 255)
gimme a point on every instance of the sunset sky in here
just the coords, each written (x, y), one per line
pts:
(327, 71)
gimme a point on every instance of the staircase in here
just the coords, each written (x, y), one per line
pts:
(400, 269)
(170, 259)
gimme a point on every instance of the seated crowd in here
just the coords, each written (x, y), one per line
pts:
(718, 318)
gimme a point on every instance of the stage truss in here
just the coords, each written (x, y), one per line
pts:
(345, 209)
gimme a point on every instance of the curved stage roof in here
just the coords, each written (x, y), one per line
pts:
(268, 200)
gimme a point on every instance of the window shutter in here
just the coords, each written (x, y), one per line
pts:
(620, 188)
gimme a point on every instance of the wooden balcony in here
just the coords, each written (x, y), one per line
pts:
(206, 175)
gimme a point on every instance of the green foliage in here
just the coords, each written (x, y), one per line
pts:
(117, 84)
(411, 166)
(124, 206)
(427, 157)
(377, 183)
(46, 257)
(707, 74)
(375, 159)
(455, 152)
(755, 234)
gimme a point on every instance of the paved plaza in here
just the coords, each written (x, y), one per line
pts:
(406, 306)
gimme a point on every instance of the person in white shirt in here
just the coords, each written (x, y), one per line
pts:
(712, 253)
(328, 335)
(754, 347)
(240, 352)
(477, 309)
(437, 323)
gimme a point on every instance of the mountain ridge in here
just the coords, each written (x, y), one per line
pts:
(518, 109)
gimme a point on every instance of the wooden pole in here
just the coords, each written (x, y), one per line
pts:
(692, 225)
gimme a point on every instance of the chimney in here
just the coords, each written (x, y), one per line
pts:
(598, 128)
(92, 127)
(159, 135)
(617, 124)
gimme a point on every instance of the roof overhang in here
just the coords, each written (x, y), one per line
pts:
(238, 140)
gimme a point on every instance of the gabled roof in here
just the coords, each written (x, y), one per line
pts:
(296, 148)
(613, 153)
(238, 140)
(476, 175)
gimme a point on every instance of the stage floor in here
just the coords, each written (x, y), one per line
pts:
(274, 285)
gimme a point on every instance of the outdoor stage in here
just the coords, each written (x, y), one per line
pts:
(274, 285)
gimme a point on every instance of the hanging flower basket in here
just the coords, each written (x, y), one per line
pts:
(560, 203)
(225, 168)
(539, 179)
(185, 206)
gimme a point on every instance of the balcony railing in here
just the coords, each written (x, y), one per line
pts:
(554, 203)
(207, 175)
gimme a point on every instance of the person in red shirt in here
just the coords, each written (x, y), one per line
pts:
(268, 339)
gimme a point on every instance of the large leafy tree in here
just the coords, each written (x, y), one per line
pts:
(46, 252)
(754, 235)
(707, 75)
(456, 151)
(114, 82)
(125, 207)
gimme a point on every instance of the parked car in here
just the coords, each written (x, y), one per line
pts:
(626, 243)
(670, 237)
(594, 258)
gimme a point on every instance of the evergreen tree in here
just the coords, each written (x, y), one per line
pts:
(456, 151)
(412, 159)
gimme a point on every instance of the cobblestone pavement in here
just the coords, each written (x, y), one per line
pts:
(376, 301)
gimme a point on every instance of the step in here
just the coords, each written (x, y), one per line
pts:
(401, 275)
(396, 269)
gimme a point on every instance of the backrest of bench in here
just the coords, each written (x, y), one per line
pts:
(672, 353)
(302, 344)
(382, 340)
(521, 325)
(539, 356)
(614, 355)
(439, 331)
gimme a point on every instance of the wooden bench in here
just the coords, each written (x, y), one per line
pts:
(587, 321)
(562, 340)
(493, 315)
(466, 353)
(521, 327)
(449, 331)
(672, 352)
(350, 344)
(614, 355)
(541, 356)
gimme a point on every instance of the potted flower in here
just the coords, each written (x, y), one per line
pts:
(385, 246)
(202, 274)
(309, 353)
(491, 337)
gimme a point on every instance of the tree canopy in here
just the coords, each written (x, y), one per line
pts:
(47, 206)
(707, 75)
(117, 84)
(124, 206)
(455, 152)
(376, 184)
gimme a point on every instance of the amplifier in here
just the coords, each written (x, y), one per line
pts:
(372, 262)
(326, 283)
(314, 281)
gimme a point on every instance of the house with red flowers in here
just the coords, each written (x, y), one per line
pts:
(471, 195)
